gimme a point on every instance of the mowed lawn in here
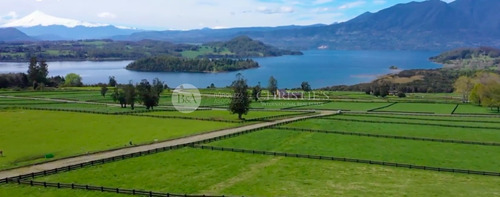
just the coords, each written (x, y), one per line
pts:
(425, 131)
(346, 106)
(435, 154)
(421, 108)
(196, 171)
(27, 136)
(474, 109)
(221, 114)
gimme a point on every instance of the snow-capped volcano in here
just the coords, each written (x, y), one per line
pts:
(38, 18)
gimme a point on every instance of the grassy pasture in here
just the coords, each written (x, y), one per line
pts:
(27, 136)
(474, 109)
(346, 106)
(427, 131)
(196, 171)
(434, 154)
(384, 119)
(430, 108)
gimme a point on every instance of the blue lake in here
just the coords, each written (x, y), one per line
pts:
(318, 67)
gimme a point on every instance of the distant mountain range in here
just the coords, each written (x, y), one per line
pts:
(41, 26)
(429, 25)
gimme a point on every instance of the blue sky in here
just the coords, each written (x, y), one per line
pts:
(195, 14)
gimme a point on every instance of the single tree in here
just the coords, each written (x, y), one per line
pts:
(158, 86)
(130, 95)
(212, 86)
(104, 90)
(119, 96)
(147, 93)
(305, 86)
(73, 80)
(37, 72)
(240, 102)
(464, 85)
(476, 94)
(273, 86)
(112, 81)
(256, 90)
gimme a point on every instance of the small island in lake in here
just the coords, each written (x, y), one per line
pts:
(393, 68)
(199, 65)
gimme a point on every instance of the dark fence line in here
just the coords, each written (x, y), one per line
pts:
(383, 107)
(89, 111)
(429, 119)
(389, 136)
(383, 163)
(408, 112)
(455, 109)
(411, 123)
(221, 120)
(307, 105)
(187, 118)
(280, 116)
(98, 162)
(20, 104)
(99, 188)
(223, 137)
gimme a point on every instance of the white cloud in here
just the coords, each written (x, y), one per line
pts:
(9, 17)
(106, 15)
(280, 10)
(319, 2)
(379, 1)
(351, 5)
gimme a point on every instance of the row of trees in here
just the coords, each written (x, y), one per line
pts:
(144, 92)
(483, 89)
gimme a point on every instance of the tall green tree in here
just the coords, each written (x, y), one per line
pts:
(158, 86)
(240, 102)
(463, 85)
(112, 81)
(305, 86)
(37, 72)
(256, 90)
(119, 96)
(104, 90)
(147, 94)
(130, 95)
(73, 80)
(272, 86)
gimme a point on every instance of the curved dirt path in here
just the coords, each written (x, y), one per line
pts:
(128, 150)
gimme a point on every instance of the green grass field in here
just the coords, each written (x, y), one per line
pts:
(346, 106)
(421, 108)
(390, 120)
(65, 134)
(474, 109)
(196, 171)
(434, 154)
(467, 134)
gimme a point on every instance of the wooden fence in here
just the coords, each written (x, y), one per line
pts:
(412, 123)
(390, 136)
(97, 188)
(344, 159)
